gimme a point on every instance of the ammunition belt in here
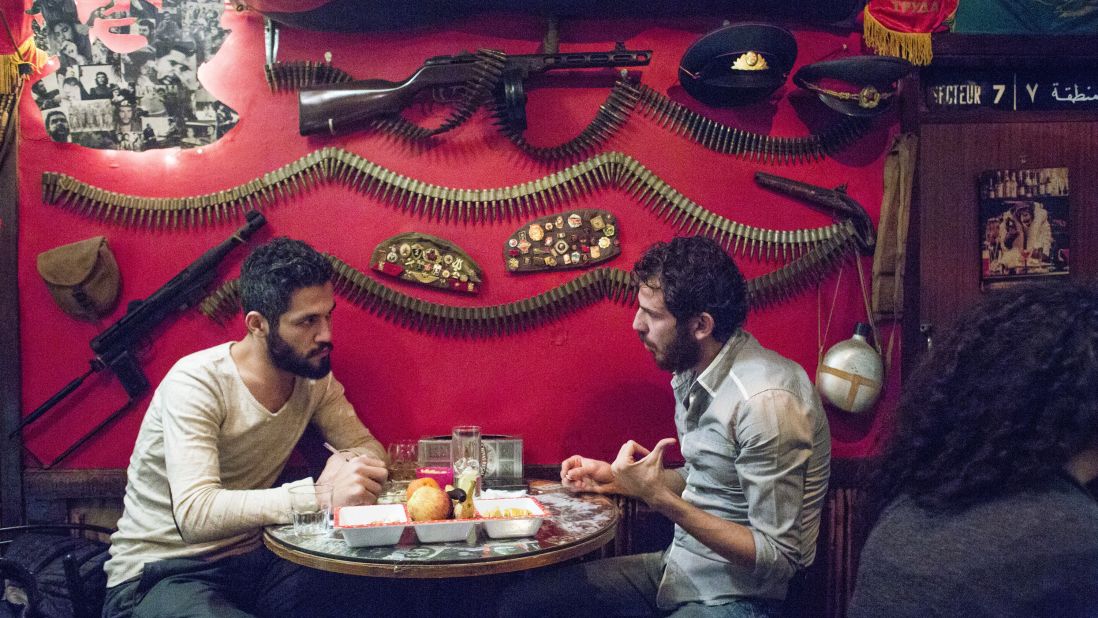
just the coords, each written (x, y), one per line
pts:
(611, 284)
(612, 115)
(8, 103)
(606, 170)
(725, 139)
(299, 74)
(488, 69)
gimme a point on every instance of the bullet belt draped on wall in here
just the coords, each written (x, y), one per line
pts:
(626, 95)
(807, 254)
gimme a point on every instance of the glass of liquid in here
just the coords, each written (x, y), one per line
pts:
(403, 460)
(465, 457)
(311, 508)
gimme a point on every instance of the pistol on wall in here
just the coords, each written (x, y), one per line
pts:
(834, 201)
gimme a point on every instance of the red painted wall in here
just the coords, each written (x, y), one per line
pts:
(582, 383)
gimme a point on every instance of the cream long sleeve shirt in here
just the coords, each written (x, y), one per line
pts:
(199, 480)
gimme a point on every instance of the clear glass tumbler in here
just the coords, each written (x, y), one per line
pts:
(311, 508)
(403, 459)
(465, 452)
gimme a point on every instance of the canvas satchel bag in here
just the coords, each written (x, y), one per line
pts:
(82, 277)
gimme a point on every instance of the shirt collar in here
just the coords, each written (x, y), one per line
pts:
(715, 374)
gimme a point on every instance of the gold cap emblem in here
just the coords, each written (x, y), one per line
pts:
(750, 61)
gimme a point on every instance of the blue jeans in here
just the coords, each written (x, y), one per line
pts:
(622, 586)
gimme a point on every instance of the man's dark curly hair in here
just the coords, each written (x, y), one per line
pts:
(696, 275)
(1004, 400)
(275, 270)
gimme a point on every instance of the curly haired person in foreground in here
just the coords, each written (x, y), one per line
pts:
(979, 495)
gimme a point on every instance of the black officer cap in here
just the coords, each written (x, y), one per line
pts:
(738, 64)
(857, 86)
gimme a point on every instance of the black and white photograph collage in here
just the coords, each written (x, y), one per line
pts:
(147, 98)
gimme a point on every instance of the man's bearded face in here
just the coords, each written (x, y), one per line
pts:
(314, 364)
(679, 354)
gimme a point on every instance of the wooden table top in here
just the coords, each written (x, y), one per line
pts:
(577, 524)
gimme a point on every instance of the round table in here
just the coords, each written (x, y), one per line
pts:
(577, 524)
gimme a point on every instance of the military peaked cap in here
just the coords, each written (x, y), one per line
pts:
(856, 86)
(738, 64)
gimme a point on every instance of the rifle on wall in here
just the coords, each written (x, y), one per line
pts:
(351, 106)
(114, 347)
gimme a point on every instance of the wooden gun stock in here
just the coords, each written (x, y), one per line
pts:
(342, 108)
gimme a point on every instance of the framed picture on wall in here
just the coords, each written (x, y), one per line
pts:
(1024, 218)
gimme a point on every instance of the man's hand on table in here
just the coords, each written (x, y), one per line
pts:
(356, 480)
(583, 474)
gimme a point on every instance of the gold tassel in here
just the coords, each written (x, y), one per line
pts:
(9, 73)
(28, 55)
(912, 46)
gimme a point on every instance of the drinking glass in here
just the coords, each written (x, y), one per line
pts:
(311, 508)
(465, 455)
(403, 458)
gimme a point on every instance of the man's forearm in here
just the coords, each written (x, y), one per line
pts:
(730, 540)
(674, 480)
(370, 446)
(212, 513)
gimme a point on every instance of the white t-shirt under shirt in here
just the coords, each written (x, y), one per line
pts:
(206, 454)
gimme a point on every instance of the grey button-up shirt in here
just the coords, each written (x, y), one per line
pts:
(758, 453)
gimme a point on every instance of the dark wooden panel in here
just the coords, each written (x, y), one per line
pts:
(73, 484)
(1000, 117)
(11, 460)
(1016, 50)
(951, 158)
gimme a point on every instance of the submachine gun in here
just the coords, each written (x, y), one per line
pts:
(114, 347)
(351, 106)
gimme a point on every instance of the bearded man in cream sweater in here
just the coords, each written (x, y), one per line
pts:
(216, 436)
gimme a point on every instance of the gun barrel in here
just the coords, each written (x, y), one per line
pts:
(591, 60)
(52, 401)
(173, 295)
(803, 190)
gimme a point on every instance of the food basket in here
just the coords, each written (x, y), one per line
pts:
(510, 517)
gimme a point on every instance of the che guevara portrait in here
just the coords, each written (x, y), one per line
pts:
(126, 74)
